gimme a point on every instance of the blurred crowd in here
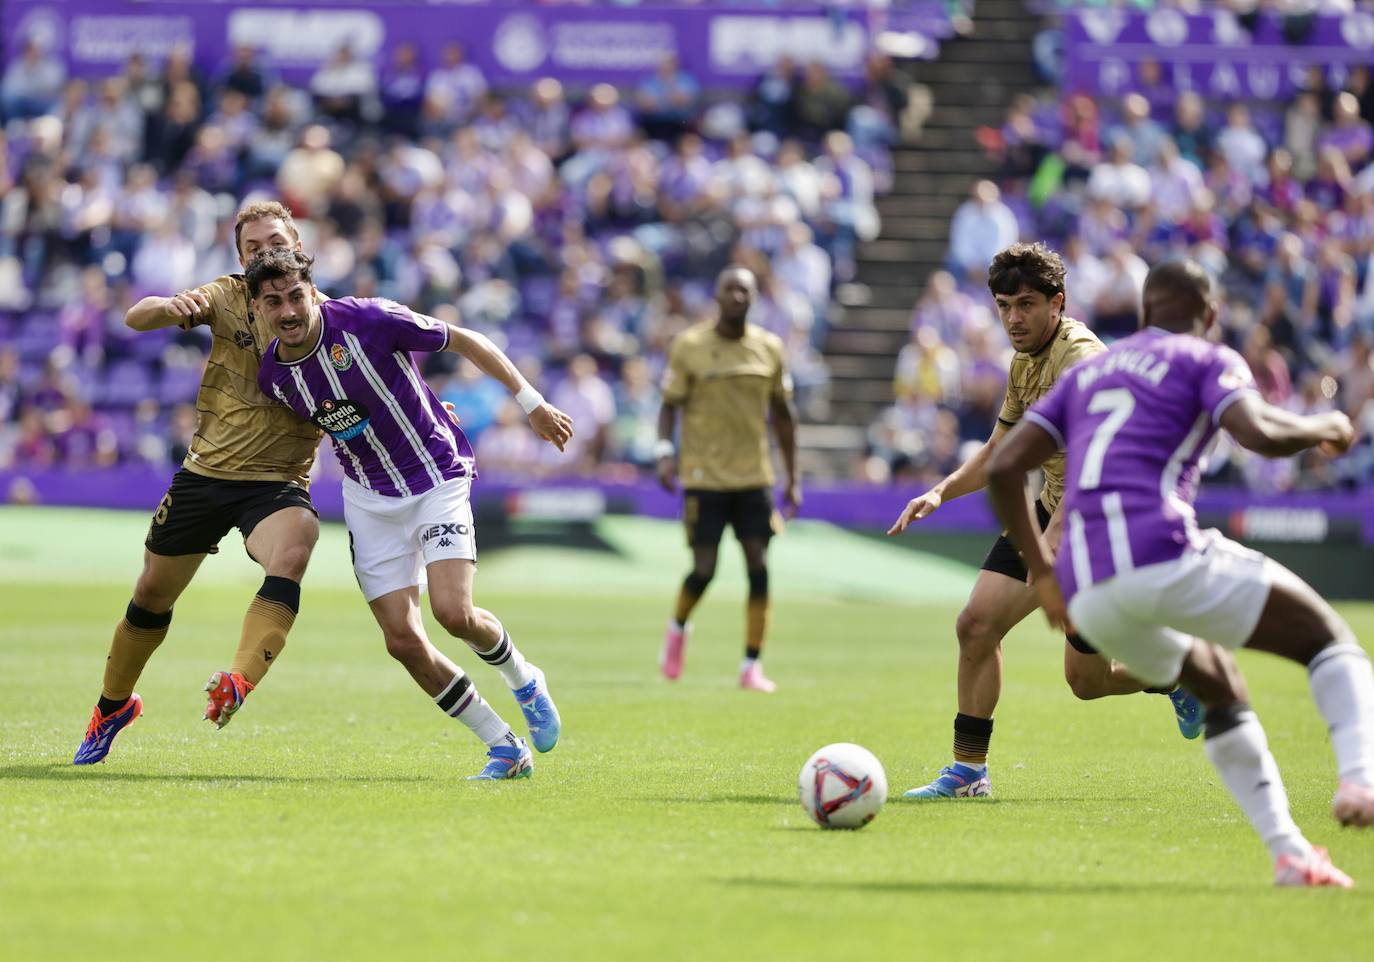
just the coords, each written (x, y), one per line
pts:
(1275, 199)
(580, 229)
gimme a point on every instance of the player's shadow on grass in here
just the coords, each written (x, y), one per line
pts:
(719, 799)
(66, 772)
(975, 887)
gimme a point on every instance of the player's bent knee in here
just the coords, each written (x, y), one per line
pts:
(1085, 683)
(975, 631)
(405, 646)
(459, 620)
(290, 562)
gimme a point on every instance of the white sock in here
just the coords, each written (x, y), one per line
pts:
(506, 659)
(1241, 756)
(1343, 687)
(461, 700)
(976, 766)
(746, 663)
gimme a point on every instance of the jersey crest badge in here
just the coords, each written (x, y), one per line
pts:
(339, 357)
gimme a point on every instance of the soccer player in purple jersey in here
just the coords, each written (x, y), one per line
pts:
(345, 365)
(1140, 581)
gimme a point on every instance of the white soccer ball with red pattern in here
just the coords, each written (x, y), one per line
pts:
(843, 786)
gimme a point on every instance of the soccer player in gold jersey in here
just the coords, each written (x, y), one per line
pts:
(727, 378)
(1027, 283)
(248, 468)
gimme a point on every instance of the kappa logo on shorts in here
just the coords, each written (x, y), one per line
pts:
(339, 357)
(442, 531)
(343, 419)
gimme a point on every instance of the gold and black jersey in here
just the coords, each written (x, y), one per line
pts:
(725, 387)
(1030, 378)
(241, 434)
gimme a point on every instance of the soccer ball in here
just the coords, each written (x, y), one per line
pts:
(842, 786)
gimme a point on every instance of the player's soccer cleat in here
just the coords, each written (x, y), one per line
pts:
(1315, 869)
(1354, 805)
(752, 679)
(541, 714)
(227, 691)
(955, 781)
(101, 731)
(506, 761)
(674, 645)
(1188, 711)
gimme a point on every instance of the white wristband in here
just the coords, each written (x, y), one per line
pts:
(664, 448)
(529, 398)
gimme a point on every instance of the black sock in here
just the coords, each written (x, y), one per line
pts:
(971, 738)
(107, 705)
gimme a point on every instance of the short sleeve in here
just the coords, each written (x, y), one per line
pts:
(781, 387)
(1225, 379)
(1013, 405)
(408, 330)
(228, 299)
(1050, 412)
(677, 380)
(1078, 350)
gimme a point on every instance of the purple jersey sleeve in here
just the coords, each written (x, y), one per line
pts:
(408, 330)
(1050, 411)
(1224, 379)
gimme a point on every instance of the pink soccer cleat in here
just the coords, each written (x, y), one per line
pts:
(752, 679)
(1354, 805)
(674, 645)
(227, 690)
(1314, 869)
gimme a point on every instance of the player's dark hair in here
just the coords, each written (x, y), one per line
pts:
(1035, 266)
(275, 264)
(1176, 295)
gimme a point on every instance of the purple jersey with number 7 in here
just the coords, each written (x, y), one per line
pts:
(1135, 422)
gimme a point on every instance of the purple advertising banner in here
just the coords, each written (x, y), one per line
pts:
(512, 43)
(1214, 53)
(1297, 517)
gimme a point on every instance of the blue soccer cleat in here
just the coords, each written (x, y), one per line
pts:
(506, 761)
(1188, 711)
(541, 714)
(101, 731)
(955, 781)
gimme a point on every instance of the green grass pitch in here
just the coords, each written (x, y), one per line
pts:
(331, 819)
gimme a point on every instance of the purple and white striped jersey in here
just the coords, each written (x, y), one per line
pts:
(1135, 422)
(360, 385)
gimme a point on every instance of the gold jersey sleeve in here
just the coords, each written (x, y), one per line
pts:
(1030, 378)
(725, 388)
(241, 434)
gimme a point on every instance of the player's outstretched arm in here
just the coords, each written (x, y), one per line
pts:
(154, 312)
(665, 453)
(1275, 433)
(546, 420)
(1026, 447)
(785, 427)
(965, 479)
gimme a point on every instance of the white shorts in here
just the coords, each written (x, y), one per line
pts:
(393, 539)
(1147, 618)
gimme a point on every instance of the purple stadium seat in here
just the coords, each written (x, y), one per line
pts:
(179, 385)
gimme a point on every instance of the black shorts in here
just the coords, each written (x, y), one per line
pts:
(706, 513)
(196, 512)
(1004, 558)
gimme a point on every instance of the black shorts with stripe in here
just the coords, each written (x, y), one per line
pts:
(705, 514)
(1004, 559)
(197, 512)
